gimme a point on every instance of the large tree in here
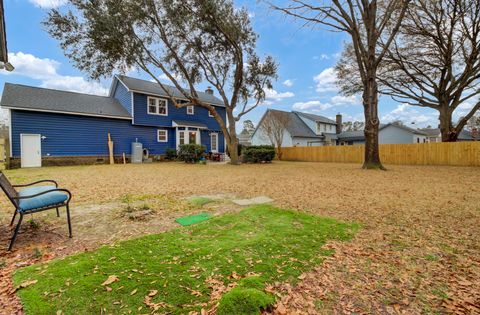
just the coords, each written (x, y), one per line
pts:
(433, 62)
(190, 41)
(372, 26)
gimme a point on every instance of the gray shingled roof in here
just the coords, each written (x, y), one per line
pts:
(296, 126)
(318, 118)
(34, 98)
(153, 88)
(352, 135)
(189, 123)
(434, 132)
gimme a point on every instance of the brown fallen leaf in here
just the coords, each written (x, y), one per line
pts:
(25, 284)
(152, 293)
(111, 279)
(108, 289)
(133, 292)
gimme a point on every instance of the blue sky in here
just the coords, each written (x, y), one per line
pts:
(305, 56)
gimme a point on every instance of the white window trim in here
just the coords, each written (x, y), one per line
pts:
(192, 108)
(158, 135)
(157, 101)
(216, 142)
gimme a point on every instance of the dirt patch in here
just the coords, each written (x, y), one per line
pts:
(417, 251)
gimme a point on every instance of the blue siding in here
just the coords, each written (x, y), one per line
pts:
(70, 135)
(200, 114)
(123, 96)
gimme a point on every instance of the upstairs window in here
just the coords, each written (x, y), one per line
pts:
(190, 110)
(157, 106)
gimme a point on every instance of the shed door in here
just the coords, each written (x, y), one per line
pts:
(31, 150)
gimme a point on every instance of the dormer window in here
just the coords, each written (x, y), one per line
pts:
(157, 106)
(190, 110)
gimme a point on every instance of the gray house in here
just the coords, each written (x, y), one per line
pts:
(303, 129)
(434, 135)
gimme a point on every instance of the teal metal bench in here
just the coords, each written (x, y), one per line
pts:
(31, 199)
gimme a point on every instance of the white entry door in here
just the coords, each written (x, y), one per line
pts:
(31, 150)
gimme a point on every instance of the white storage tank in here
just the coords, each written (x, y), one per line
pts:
(137, 152)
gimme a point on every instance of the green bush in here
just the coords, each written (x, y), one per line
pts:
(170, 154)
(258, 153)
(191, 153)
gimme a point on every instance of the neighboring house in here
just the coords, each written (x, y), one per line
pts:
(434, 135)
(391, 133)
(302, 129)
(244, 138)
(47, 123)
(305, 129)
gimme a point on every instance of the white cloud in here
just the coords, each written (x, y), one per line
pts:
(46, 70)
(312, 106)
(273, 95)
(288, 83)
(412, 114)
(326, 81)
(48, 4)
(345, 100)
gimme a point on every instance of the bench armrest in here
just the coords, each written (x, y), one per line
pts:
(38, 182)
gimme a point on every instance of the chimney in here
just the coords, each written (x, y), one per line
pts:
(209, 91)
(339, 123)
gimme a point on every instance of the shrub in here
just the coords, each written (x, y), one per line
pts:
(170, 154)
(258, 153)
(191, 153)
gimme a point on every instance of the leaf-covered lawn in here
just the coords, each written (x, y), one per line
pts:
(176, 271)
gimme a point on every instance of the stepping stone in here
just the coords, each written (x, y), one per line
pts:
(254, 201)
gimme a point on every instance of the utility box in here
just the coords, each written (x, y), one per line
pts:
(137, 153)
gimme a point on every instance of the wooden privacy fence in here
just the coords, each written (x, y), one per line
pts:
(446, 153)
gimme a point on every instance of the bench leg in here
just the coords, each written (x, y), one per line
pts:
(69, 223)
(58, 213)
(16, 232)
(13, 219)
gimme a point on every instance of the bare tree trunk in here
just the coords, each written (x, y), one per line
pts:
(279, 153)
(447, 130)
(370, 106)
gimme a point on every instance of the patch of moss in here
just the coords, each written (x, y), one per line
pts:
(199, 201)
(244, 301)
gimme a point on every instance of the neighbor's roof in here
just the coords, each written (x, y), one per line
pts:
(3, 35)
(435, 132)
(148, 87)
(33, 98)
(352, 135)
(318, 118)
(414, 131)
(296, 126)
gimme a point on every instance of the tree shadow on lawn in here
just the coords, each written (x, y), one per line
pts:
(176, 271)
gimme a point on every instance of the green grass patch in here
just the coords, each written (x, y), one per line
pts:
(199, 201)
(275, 244)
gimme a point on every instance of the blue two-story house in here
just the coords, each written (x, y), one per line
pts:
(51, 125)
